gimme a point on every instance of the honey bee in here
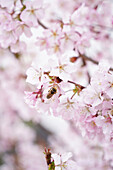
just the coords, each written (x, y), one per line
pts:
(51, 92)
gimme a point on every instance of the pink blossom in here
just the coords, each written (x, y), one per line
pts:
(42, 42)
(69, 96)
(7, 37)
(92, 96)
(80, 16)
(66, 108)
(23, 28)
(31, 98)
(32, 12)
(62, 161)
(5, 19)
(34, 76)
(18, 46)
(82, 43)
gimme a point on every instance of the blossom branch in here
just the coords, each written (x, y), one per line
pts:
(82, 87)
(84, 57)
(22, 2)
(42, 25)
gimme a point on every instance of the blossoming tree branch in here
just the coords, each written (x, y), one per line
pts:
(56, 61)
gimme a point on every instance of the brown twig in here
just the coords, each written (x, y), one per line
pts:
(104, 27)
(91, 60)
(42, 25)
(22, 2)
(82, 87)
(84, 57)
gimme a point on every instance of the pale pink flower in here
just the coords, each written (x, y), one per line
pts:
(62, 161)
(42, 43)
(54, 33)
(32, 12)
(91, 127)
(61, 67)
(19, 46)
(69, 38)
(66, 108)
(7, 34)
(108, 84)
(82, 43)
(34, 76)
(99, 77)
(23, 28)
(5, 19)
(106, 124)
(55, 48)
(31, 98)
(80, 16)
(92, 96)
(7, 37)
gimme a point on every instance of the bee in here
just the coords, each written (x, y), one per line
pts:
(51, 92)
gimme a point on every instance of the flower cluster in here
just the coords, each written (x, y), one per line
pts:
(59, 161)
(64, 46)
(17, 18)
(90, 106)
(96, 104)
(58, 89)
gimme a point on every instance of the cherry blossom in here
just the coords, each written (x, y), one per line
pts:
(61, 161)
(56, 85)
(33, 11)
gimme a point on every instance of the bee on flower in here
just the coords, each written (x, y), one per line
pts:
(51, 92)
